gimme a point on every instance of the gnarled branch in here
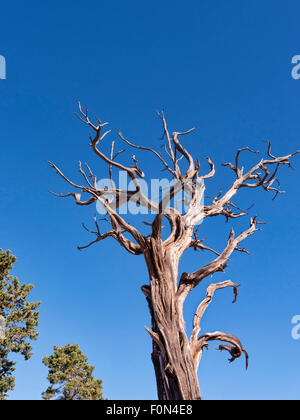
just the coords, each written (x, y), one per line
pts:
(235, 347)
(266, 181)
(189, 281)
(206, 302)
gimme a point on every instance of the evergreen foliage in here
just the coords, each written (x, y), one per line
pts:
(19, 317)
(73, 377)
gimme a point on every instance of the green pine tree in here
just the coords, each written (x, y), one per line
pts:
(70, 371)
(19, 319)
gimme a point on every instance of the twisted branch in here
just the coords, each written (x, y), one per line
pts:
(235, 347)
(206, 302)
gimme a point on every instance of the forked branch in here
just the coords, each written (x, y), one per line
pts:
(189, 281)
(259, 173)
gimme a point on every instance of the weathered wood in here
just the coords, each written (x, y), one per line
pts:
(175, 357)
(175, 371)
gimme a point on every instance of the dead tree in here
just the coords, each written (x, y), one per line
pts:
(175, 355)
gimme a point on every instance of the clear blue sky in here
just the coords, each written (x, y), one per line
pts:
(223, 66)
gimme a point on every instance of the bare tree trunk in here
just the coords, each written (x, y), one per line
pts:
(175, 370)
